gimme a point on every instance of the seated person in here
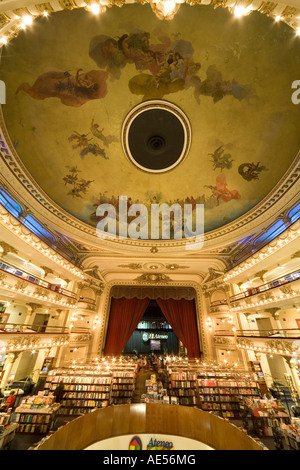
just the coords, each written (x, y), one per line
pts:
(9, 402)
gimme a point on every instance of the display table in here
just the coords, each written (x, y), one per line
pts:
(8, 434)
(291, 433)
(266, 415)
(36, 414)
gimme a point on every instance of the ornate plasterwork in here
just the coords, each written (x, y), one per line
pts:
(223, 341)
(153, 278)
(174, 266)
(133, 266)
(10, 16)
(7, 248)
(84, 338)
(14, 172)
(32, 341)
(245, 342)
(168, 266)
(95, 284)
(107, 301)
(280, 345)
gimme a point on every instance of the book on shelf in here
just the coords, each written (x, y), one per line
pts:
(5, 419)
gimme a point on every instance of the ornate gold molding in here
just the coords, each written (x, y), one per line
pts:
(153, 278)
(243, 224)
(107, 301)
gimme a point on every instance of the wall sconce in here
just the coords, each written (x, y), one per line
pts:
(209, 324)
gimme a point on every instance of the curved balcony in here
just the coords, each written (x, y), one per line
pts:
(288, 278)
(219, 306)
(86, 303)
(34, 226)
(21, 274)
(284, 342)
(275, 293)
(19, 337)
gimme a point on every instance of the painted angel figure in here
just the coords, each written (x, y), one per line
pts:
(107, 140)
(221, 192)
(221, 160)
(81, 140)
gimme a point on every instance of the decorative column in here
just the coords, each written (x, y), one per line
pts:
(274, 312)
(209, 334)
(292, 365)
(32, 308)
(10, 360)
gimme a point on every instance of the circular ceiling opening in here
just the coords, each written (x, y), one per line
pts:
(156, 136)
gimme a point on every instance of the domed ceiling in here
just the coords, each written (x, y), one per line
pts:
(72, 79)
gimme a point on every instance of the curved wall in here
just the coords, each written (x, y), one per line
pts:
(150, 418)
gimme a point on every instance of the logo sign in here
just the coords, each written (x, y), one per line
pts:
(145, 337)
(136, 443)
(160, 445)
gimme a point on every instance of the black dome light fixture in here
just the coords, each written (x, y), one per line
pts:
(156, 136)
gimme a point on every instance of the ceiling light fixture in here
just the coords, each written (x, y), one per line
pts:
(27, 20)
(169, 6)
(95, 8)
(241, 10)
(165, 9)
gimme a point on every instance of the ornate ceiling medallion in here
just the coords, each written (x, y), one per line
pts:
(156, 136)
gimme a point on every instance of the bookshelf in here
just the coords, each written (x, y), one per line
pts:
(83, 389)
(224, 394)
(183, 385)
(266, 414)
(36, 414)
(123, 384)
(219, 389)
(93, 385)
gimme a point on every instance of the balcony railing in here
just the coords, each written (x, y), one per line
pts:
(9, 268)
(87, 300)
(267, 286)
(10, 328)
(53, 241)
(217, 303)
(286, 333)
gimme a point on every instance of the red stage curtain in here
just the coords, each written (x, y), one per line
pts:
(125, 314)
(181, 315)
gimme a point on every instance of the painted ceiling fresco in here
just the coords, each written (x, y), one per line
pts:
(72, 78)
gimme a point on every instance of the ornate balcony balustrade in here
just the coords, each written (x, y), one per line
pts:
(18, 337)
(267, 286)
(284, 342)
(219, 306)
(25, 276)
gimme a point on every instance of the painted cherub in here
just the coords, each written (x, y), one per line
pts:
(107, 140)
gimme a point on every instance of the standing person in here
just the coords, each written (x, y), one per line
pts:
(162, 377)
(59, 392)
